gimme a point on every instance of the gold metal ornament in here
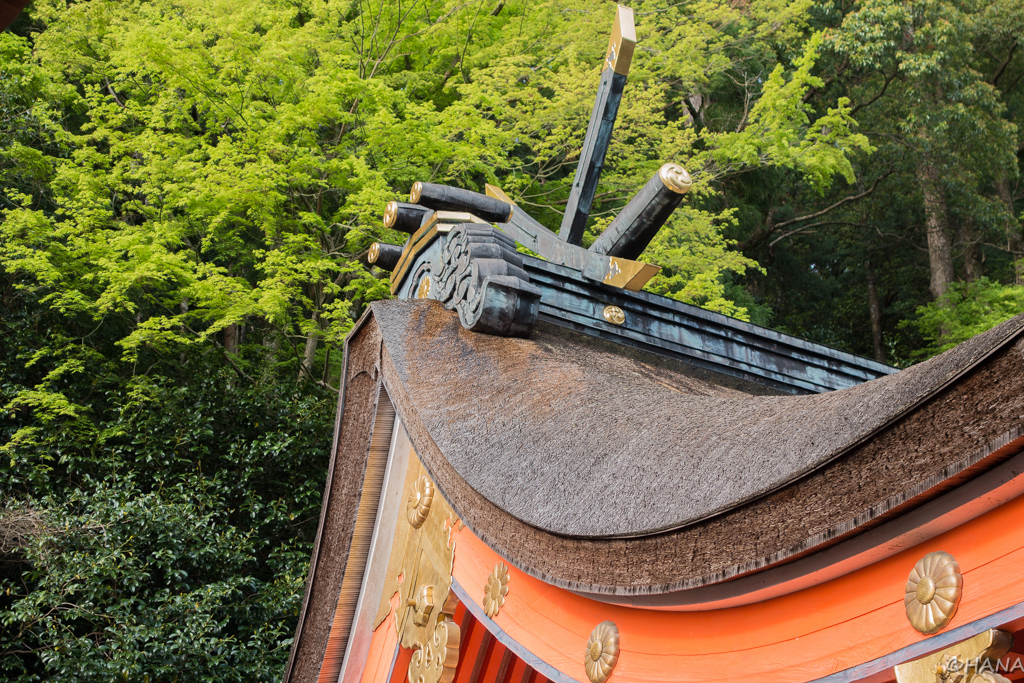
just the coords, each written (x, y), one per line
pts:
(417, 191)
(374, 252)
(969, 661)
(614, 315)
(423, 291)
(437, 659)
(420, 498)
(422, 605)
(496, 589)
(390, 214)
(933, 592)
(602, 652)
(675, 178)
(631, 275)
(420, 573)
(622, 42)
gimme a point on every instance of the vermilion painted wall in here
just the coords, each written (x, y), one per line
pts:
(803, 636)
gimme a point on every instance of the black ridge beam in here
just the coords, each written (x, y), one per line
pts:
(445, 198)
(599, 130)
(639, 221)
(384, 255)
(404, 217)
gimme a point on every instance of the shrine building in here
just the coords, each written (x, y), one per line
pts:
(541, 472)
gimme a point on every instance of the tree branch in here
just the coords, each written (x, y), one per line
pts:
(888, 80)
(844, 200)
(1006, 63)
(804, 228)
(1014, 84)
(112, 93)
(761, 234)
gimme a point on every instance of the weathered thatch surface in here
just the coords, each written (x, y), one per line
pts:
(579, 441)
(952, 419)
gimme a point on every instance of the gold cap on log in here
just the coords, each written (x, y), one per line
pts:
(390, 214)
(675, 178)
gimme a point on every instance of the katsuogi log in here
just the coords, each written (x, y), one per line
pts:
(384, 255)
(404, 217)
(637, 224)
(445, 198)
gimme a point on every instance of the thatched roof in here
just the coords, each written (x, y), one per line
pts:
(615, 444)
(637, 478)
(573, 458)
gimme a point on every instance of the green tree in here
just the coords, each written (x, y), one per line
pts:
(935, 86)
(187, 190)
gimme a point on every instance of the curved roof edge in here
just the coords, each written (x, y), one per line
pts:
(957, 423)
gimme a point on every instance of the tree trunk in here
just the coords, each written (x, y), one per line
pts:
(309, 355)
(327, 366)
(940, 252)
(231, 339)
(183, 306)
(1014, 238)
(875, 310)
(973, 263)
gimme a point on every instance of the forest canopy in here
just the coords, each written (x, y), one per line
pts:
(188, 189)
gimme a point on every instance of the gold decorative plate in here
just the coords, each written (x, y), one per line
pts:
(602, 652)
(933, 592)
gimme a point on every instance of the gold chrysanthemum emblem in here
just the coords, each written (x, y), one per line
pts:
(496, 590)
(602, 652)
(933, 592)
(420, 498)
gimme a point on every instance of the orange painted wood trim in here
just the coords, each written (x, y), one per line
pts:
(520, 672)
(474, 646)
(382, 650)
(803, 636)
(400, 673)
(498, 658)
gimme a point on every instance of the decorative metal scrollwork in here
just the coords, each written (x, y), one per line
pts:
(481, 276)
(975, 660)
(435, 661)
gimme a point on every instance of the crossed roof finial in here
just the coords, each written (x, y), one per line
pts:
(435, 210)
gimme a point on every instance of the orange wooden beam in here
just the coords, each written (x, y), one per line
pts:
(498, 663)
(472, 653)
(803, 636)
